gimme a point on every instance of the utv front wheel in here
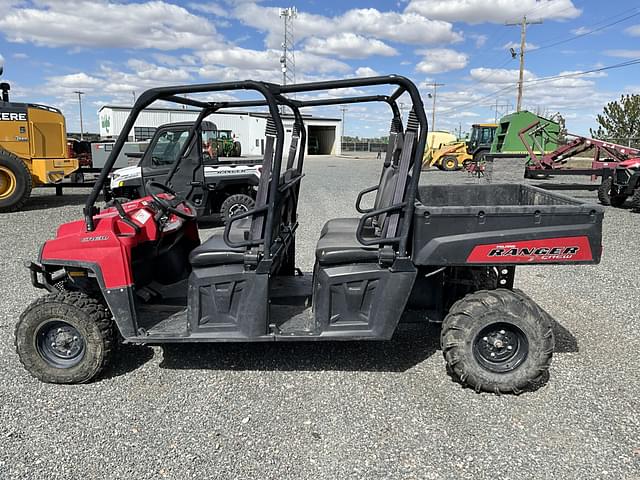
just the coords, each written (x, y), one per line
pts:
(65, 337)
(236, 205)
(497, 341)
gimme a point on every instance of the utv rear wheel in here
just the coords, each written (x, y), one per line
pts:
(604, 191)
(236, 205)
(450, 163)
(497, 341)
(15, 182)
(65, 337)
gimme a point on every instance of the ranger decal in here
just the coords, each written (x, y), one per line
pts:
(566, 249)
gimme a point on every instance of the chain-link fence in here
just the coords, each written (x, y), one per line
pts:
(363, 147)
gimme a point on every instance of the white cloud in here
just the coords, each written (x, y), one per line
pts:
(516, 46)
(75, 81)
(349, 45)
(83, 23)
(438, 60)
(622, 53)
(20, 56)
(582, 31)
(392, 26)
(570, 93)
(244, 59)
(497, 11)
(633, 30)
(479, 40)
(366, 72)
(498, 75)
(212, 8)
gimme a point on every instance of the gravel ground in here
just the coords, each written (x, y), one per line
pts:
(372, 410)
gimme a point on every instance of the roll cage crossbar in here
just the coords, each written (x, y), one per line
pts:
(274, 96)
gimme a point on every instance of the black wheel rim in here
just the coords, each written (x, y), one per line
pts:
(237, 208)
(60, 344)
(500, 347)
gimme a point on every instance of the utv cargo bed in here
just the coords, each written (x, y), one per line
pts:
(503, 224)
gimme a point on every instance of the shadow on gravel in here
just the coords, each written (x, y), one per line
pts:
(52, 201)
(564, 339)
(128, 358)
(407, 349)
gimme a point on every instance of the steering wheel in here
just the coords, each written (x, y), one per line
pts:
(170, 206)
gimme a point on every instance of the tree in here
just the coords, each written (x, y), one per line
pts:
(620, 121)
(562, 133)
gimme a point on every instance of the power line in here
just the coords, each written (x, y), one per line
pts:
(575, 37)
(491, 74)
(629, 63)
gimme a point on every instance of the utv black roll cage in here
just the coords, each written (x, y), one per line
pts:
(274, 98)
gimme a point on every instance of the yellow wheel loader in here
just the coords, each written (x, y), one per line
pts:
(33, 150)
(453, 155)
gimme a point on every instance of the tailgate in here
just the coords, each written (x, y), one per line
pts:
(504, 225)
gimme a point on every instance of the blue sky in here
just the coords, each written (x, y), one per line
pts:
(112, 49)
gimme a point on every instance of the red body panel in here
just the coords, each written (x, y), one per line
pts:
(552, 250)
(631, 163)
(110, 245)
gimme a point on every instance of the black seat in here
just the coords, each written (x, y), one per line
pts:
(383, 199)
(339, 247)
(386, 185)
(338, 243)
(216, 252)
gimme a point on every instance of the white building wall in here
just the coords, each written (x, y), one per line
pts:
(248, 129)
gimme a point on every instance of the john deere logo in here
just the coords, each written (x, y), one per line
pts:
(106, 123)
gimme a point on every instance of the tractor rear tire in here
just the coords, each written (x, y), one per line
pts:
(497, 341)
(235, 205)
(65, 337)
(450, 163)
(15, 182)
(604, 191)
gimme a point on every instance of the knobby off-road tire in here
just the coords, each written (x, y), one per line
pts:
(235, 205)
(604, 191)
(634, 202)
(65, 337)
(15, 182)
(480, 328)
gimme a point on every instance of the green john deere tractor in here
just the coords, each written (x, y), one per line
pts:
(227, 145)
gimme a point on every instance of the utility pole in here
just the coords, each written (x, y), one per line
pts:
(80, 104)
(523, 41)
(343, 109)
(498, 108)
(433, 96)
(402, 106)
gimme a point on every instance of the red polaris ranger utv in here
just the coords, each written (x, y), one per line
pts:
(447, 251)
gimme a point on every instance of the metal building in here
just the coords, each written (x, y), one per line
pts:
(323, 134)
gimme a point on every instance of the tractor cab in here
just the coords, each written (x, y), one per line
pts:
(481, 138)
